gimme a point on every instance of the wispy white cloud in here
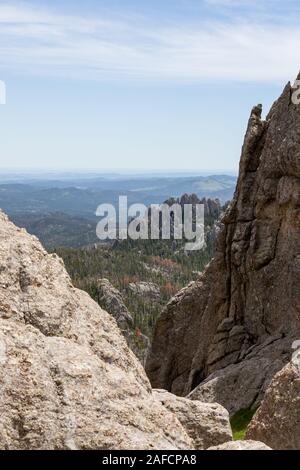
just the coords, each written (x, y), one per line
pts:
(39, 41)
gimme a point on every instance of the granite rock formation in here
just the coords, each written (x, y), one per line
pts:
(277, 422)
(145, 290)
(110, 299)
(68, 379)
(246, 304)
(241, 386)
(207, 424)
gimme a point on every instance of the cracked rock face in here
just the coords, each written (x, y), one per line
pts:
(277, 422)
(67, 378)
(241, 386)
(250, 292)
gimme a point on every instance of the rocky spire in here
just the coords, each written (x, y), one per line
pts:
(243, 311)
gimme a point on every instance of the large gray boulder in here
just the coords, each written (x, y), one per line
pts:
(68, 379)
(206, 424)
(277, 422)
(250, 292)
(242, 445)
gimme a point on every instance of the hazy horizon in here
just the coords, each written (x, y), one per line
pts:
(116, 171)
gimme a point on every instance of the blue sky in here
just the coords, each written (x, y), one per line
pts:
(137, 84)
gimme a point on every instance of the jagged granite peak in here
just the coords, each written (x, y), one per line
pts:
(68, 379)
(249, 295)
(212, 207)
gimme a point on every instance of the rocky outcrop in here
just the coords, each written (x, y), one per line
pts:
(112, 301)
(68, 379)
(212, 213)
(212, 207)
(241, 445)
(145, 290)
(206, 424)
(249, 295)
(277, 422)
